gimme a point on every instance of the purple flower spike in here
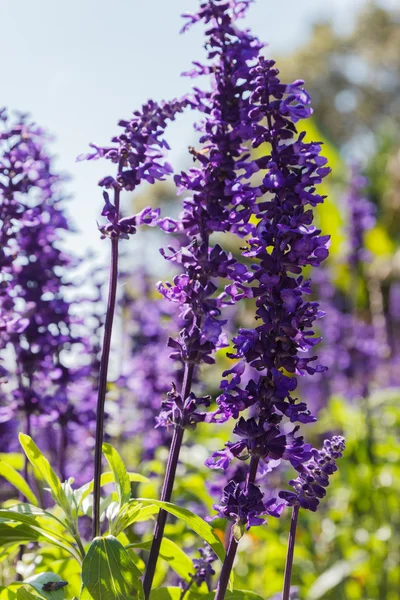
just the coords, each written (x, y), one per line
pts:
(314, 475)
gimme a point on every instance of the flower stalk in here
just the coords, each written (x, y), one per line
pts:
(105, 356)
(233, 541)
(290, 553)
(167, 488)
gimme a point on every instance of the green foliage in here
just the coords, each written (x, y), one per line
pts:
(42, 465)
(121, 477)
(173, 555)
(16, 480)
(108, 572)
(197, 524)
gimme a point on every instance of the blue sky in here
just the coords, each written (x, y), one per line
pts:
(79, 65)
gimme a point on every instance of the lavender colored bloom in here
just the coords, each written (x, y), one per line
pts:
(361, 217)
(39, 327)
(204, 565)
(313, 479)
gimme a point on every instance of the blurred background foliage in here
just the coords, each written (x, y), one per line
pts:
(351, 548)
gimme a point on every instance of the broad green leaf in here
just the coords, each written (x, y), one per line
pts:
(108, 572)
(42, 465)
(197, 524)
(23, 593)
(83, 492)
(173, 555)
(121, 477)
(41, 579)
(127, 515)
(13, 477)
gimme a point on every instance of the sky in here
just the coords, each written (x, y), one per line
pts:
(78, 66)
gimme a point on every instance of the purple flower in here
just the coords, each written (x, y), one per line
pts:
(138, 153)
(361, 217)
(313, 479)
(241, 505)
(39, 326)
(204, 565)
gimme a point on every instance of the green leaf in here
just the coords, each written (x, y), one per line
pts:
(127, 515)
(33, 516)
(13, 477)
(197, 524)
(173, 555)
(146, 512)
(121, 477)
(41, 579)
(24, 594)
(108, 572)
(42, 465)
(83, 492)
(12, 533)
(10, 592)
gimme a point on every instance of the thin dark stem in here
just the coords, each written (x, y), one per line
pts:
(233, 543)
(105, 355)
(251, 475)
(290, 552)
(226, 568)
(186, 588)
(167, 488)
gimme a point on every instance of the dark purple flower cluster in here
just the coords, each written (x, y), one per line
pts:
(265, 200)
(244, 504)
(283, 242)
(138, 153)
(313, 479)
(217, 201)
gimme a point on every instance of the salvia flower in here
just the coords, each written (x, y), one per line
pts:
(138, 152)
(215, 199)
(39, 325)
(310, 486)
(241, 505)
(280, 245)
(204, 565)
